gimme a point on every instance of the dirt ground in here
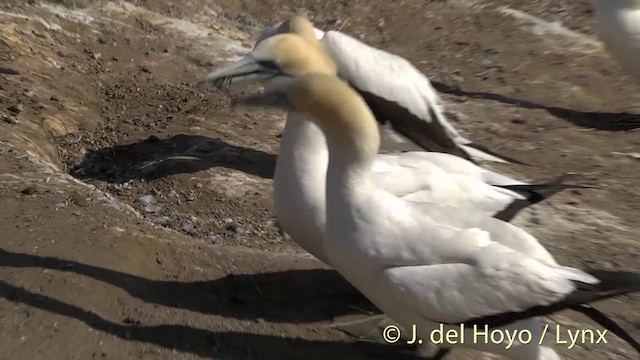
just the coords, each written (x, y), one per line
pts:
(136, 209)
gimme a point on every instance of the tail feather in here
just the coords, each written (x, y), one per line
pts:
(602, 319)
(543, 189)
(611, 284)
(535, 193)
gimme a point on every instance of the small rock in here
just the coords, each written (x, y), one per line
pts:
(188, 226)
(152, 209)
(144, 68)
(54, 98)
(227, 220)
(61, 205)
(96, 56)
(198, 186)
(37, 33)
(486, 63)
(146, 200)
(29, 190)
(79, 199)
(10, 119)
(608, 265)
(457, 78)
(235, 228)
(16, 109)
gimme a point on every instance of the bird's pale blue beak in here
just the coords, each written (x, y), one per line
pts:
(247, 69)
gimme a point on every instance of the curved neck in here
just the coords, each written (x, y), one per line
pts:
(351, 156)
(301, 167)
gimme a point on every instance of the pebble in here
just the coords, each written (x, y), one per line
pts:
(235, 228)
(61, 205)
(16, 109)
(152, 209)
(146, 200)
(10, 119)
(29, 190)
(79, 199)
(188, 226)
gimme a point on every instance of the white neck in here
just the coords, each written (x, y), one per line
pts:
(348, 173)
(299, 183)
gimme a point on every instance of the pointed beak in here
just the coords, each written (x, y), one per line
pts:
(247, 69)
(273, 98)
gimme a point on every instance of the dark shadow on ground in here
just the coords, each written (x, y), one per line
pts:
(211, 344)
(156, 158)
(591, 120)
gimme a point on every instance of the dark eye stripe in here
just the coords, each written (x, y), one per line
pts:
(268, 65)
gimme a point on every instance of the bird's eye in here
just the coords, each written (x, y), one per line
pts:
(267, 64)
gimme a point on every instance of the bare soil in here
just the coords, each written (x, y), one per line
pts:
(136, 209)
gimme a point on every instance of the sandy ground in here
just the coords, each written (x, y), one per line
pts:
(136, 216)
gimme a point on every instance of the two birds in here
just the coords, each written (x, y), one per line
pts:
(422, 252)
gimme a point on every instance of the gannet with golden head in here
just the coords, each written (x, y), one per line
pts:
(422, 263)
(618, 25)
(398, 93)
(300, 174)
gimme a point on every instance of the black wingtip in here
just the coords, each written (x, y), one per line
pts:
(604, 321)
(535, 193)
(484, 149)
(612, 284)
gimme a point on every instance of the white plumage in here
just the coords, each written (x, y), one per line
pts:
(397, 92)
(300, 175)
(423, 263)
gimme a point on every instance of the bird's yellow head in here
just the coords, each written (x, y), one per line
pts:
(284, 55)
(296, 24)
(302, 27)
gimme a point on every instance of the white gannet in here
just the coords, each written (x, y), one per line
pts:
(398, 93)
(618, 26)
(427, 264)
(300, 175)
